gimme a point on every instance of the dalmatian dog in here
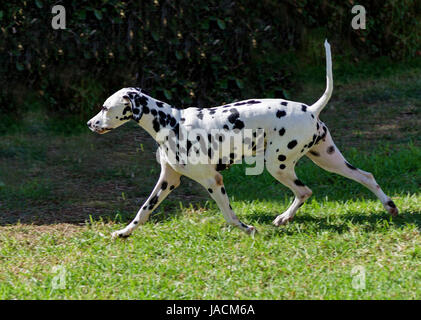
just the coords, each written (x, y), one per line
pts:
(291, 130)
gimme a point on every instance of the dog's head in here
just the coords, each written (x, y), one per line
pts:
(117, 110)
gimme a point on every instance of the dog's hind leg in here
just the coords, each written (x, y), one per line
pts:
(327, 156)
(281, 167)
(301, 192)
(169, 179)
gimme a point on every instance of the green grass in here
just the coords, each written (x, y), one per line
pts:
(63, 191)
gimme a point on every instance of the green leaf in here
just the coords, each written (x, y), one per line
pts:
(98, 14)
(19, 66)
(224, 84)
(155, 35)
(179, 55)
(221, 24)
(82, 14)
(38, 3)
(205, 25)
(239, 83)
(167, 94)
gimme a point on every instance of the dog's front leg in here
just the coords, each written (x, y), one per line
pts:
(168, 181)
(214, 184)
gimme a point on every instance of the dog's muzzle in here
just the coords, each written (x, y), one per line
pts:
(96, 128)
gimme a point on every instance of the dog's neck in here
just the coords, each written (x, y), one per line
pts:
(154, 115)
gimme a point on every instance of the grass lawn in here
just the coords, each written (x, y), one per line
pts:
(61, 195)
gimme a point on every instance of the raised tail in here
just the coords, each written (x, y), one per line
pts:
(320, 104)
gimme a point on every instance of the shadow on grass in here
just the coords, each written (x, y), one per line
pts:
(341, 224)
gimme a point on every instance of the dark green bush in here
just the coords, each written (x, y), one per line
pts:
(189, 53)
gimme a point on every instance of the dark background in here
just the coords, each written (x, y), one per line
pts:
(186, 52)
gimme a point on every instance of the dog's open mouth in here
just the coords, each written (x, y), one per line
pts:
(102, 131)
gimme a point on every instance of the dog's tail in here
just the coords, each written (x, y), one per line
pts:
(318, 106)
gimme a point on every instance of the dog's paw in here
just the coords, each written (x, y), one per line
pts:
(120, 234)
(391, 208)
(251, 230)
(282, 219)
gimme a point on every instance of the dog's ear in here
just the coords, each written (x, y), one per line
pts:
(137, 110)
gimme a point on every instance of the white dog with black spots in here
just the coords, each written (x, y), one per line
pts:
(291, 130)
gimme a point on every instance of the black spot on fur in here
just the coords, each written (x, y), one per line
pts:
(350, 166)
(154, 112)
(123, 235)
(153, 202)
(173, 121)
(172, 187)
(126, 109)
(200, 115)
(142, 100)
(312, 141)
(135, 222)
(281, 131)
(156, 125)
(253, 102)
(330, 149)
(281, 157)
(160, 104)
(189, 144)
(220, 166)
(238, 124)
(315, 153)
(234, 115)
(280, 113)
(303, 108)
(299, 183)
(223, 190)
(284, 103)
(164, 185)
(391, 204)
(292, 144)
(210, 190)
(282, 166)
(162, 121)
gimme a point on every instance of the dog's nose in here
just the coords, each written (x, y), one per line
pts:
(89, 123)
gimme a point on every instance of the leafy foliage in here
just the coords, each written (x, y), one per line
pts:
(202, 53)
